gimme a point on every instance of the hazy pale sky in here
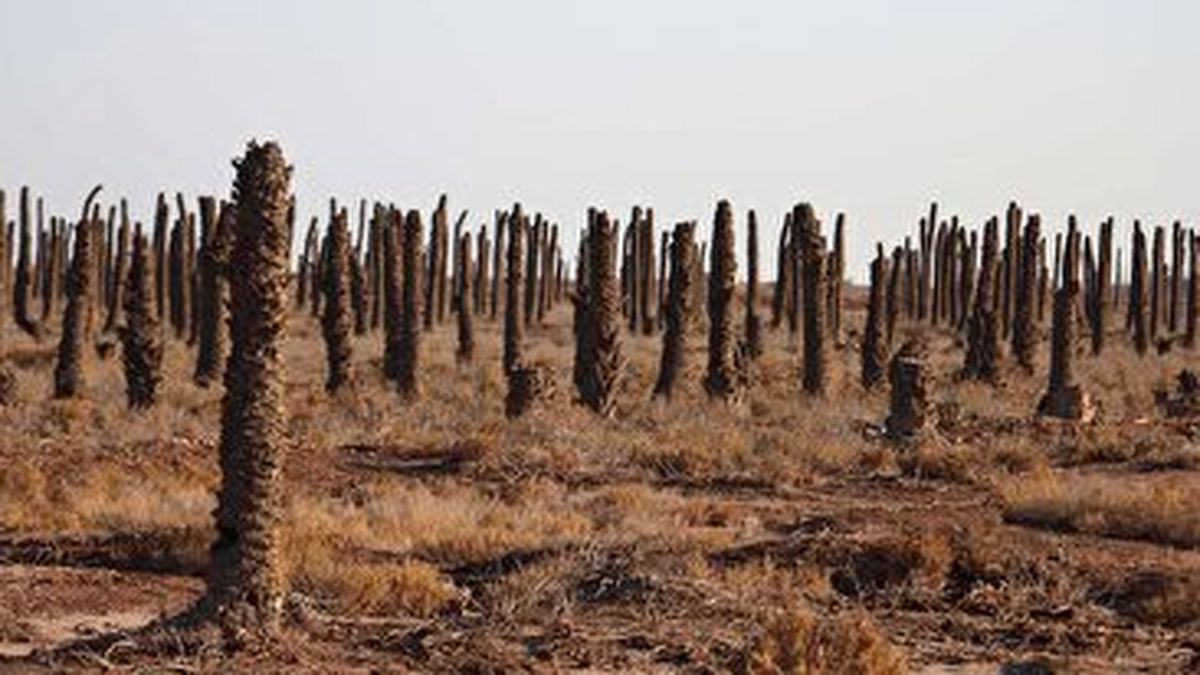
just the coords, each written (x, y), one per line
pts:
(872, 107)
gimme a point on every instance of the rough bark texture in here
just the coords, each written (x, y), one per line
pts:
(214, 290)
(336, 322)
(721, 379)
(910, 413)
(410, 306)
(813, 277)
(1137, 293)
(1156, 283)
(678, 310)
(1175, 287)
(1065, 398)
(23, 276)
(1100, 308)
(177, 287)
(515, 264)
(393, 291)
(599, 332)
(753, 327)
(68, 372)
(359, 301)
(983, 333)
(498, 265)
(245, 580)
(120, 265)
(1023, 339)
(141, 349)
(892, 300)
(464, 305)
(874, 348)
(834, 274)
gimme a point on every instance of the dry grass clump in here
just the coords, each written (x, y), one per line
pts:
(796, 641)
(1161, 510)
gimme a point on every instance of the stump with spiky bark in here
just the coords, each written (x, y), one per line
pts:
(435, 289)
(393, 291)
(910, 414)
(1137, 293)
(245, 579)
(335, 321)
(68, 372)
(498, 265)
(410, 307)
(214, 293)
(983, 331)
(466, 329)
(1065, 398)
(874, 347)
(23, 276)
(722, 379)
(753, 327)
(814, 280)
(678, 310)
(599, 331)
(1100, 310)
(119, 270)
(1175, 284)
(514, 281)
(1156, 283)
(1023, 341)
(141, 349)
(177, 287)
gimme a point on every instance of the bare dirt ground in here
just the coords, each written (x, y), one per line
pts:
(437, 536)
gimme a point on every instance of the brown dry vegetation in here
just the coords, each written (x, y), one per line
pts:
(783, 535)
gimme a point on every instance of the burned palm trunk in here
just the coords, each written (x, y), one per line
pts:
(678, 310)
(23, 277)
(939, 257)
(245, 580)
(782, 290)
(498, 267)
(1012, 249)
(466, 329)
(393, 291)
(646, 272)
(68, 372)
(1156, 283)
(837, 269)
(483, 254)
(796, 287)
(379, 223)
(966, 283)
(1023, 341)
(527, 384)
(161, 216)
(214, 289)
(51, 276)
(1065, 398)
(722, 379)
(1137, 293)
(5, 261)
(533, 244)
(141, 349)
(753, 327)
(926, 228)
(874, 349)
(910, 414)
(177, 288)
(1100, 309)
(1176, 278)
(513, 287)
(599, 331)
(119, 270)
(1193, 289)
(892, 298)
(983, 333)
(813, 277)
(410, 306)
(335, 321)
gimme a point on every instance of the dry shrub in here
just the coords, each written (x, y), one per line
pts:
(916, 559)
(796, 641)
(1154, 597)
(1161, 511)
